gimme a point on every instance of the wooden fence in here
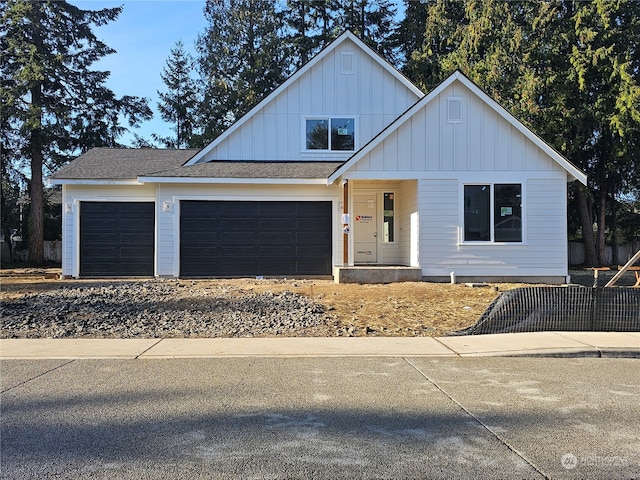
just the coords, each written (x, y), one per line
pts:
(52, 252)
(625, 252)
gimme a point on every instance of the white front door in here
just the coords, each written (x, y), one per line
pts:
(365, 228)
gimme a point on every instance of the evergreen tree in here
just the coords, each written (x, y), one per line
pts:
(568, 69)
(370, 20)
(179, 104)
(324, 14)
(241, 59)
(302, 39)
(54, 105)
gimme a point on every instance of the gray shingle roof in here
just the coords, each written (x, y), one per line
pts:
(129, 164)
(122, 163)
(253, 169)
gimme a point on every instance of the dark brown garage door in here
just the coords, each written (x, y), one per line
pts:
(254, 238)
(116, 239)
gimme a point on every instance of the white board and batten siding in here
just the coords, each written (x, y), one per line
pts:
(481, 147)
(408, 223)
(275, 132)
(427, 142)
(543, 252)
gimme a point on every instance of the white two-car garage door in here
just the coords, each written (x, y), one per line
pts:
(249, 238)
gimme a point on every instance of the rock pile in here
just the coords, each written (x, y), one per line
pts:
(160, 309)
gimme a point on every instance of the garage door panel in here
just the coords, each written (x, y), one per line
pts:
(200, 269)
(311, 238)
(117, 238)
(100, 269)
(238, 224)
(136, 252)
(96, 239)
(309, 224)
(102, 253)
(284, 251)
(238, 250)
(276, 224)
(132, 268)
(201, 224)
(245, 268)
(100, 225)
(313, 267)
(276, 237)
(276, 267)
(315, 208)
(230, 238)
(136, 238)
(256, 238)
(239, 209)
(202, 239)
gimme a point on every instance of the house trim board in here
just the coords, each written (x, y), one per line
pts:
(213, 180)
(469, 176)
(53, 181)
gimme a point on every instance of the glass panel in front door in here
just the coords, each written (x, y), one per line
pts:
(365, 229)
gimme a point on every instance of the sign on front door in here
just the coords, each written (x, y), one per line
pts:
(365, 229)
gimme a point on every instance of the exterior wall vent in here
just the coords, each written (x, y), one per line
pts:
(347, 63)
(454, 109)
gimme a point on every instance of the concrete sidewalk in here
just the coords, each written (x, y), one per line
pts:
(585, 344)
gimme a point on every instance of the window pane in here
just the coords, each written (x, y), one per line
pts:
(507, 214)
(388, 217)
(317, 135)
(342, 134)
(476, 213)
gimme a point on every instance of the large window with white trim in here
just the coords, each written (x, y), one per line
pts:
(330, 133)
(493, 212)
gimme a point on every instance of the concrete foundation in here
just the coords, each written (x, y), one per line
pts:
(545, 280)
(376, 274)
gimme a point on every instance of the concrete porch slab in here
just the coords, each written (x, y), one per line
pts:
(376, 274)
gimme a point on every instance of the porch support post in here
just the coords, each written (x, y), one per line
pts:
(345, 236)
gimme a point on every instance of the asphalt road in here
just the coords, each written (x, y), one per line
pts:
(394, 417)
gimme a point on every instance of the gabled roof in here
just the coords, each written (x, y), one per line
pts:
(347, 35)
(120, 164)
(572, 170)
(244, 171)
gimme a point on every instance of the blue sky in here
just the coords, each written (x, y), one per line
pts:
(143, 35)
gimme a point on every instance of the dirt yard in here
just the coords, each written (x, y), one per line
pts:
(399, 309)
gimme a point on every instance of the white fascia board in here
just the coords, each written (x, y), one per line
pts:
(208, 180)
(465, 176)
(62, 181)
(304, 69)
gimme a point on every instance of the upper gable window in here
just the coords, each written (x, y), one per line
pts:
(330, 133)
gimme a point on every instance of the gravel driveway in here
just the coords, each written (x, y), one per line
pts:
(157, 308)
